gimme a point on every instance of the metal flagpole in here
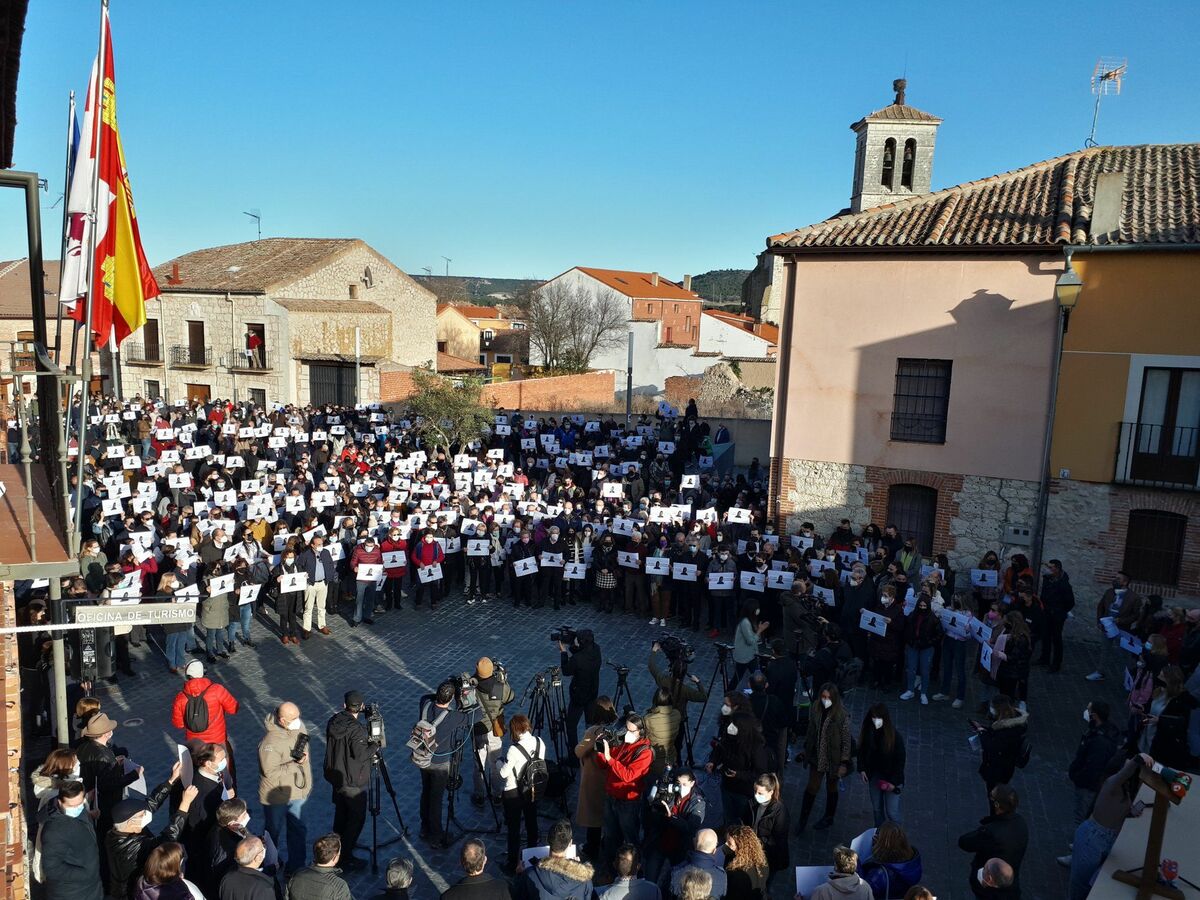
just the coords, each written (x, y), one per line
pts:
(62, 253)
(86, 386)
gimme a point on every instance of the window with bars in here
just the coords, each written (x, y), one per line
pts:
(1154, 546)
(921, 400)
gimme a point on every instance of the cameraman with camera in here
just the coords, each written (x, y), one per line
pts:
(625, 766)
(285, 781)
(676, 812)
(494, 693)
(668, 664)
(444, 722)
(583, 665)
(348, 754)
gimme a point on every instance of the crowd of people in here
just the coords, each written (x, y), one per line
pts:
(286, 524)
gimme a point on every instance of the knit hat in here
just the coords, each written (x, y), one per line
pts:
(195, 669)
(484, 668)
(125, 810)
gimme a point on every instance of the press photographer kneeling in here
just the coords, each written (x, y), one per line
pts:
(675, 813)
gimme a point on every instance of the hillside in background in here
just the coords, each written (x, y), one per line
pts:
(720, 285)
(475, 289)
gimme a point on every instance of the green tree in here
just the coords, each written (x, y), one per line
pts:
(447, 412)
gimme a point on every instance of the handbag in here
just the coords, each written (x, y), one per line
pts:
(498, 726)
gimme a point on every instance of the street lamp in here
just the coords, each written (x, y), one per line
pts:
(1067, 288)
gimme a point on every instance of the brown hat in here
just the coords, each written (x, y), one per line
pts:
(98, 725)
(484, 668)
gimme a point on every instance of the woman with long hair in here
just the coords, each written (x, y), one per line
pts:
(1018, 570)
(162, 878)
(990, 562)
(881, 758)
(1016, 654)
(827, 753)
(739, 755)
(1001, 741)
(589, 812)
(1165, 735)
(519, 806)
(745, 640)
(770, 820)
(747, 870)
(894, 864)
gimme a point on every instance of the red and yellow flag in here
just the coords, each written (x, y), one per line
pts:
(121, 279)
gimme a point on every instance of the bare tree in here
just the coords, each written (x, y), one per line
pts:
(568, 326)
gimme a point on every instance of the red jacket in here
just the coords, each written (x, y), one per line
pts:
(220, 703)
(390, 546)
(424, 554)
(626, 769)
(364, 557)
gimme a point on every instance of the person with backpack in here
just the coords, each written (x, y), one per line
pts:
(439, 726)
(524, 774)
(200, 709)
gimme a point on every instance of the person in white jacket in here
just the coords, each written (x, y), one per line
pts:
(524, 746)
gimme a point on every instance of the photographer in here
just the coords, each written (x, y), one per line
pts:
(285, 781)
(348, 753)
(583, 665)
(446, 721)
(668, 664)
(662, 725)
(494, 693)
(672, 820)
(625, 766)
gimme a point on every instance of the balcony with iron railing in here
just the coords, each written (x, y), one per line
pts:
(142, 355)
(247, 360)
(1158, 456)
(191, 357)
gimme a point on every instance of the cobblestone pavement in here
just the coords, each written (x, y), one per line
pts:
(405, 654)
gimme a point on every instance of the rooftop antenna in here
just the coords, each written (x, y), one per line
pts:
(428, 270)
(1106, 79)
(448, 261)
(256, 215)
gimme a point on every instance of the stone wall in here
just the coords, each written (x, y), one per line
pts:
(985, 505)
(413, 307)
(13, 748)
(823, 493)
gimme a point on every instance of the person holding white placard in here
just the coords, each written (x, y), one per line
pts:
(395, 568)
(366, 553)
(291, 599)
(214, 616)
(886, 650)
(428, 552)
(721, 600)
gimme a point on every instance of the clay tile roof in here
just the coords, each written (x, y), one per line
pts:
(252, 267)
(14, 288)
(897, 113)
(1042, 205)
(640, 285)
(478, 312)
(332, 306)
(448, 363)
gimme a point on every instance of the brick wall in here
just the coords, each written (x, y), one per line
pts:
(395, 385)
(10, 784)
(590, 390)
(681, 388)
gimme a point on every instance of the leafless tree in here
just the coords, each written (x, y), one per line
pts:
(568, 326)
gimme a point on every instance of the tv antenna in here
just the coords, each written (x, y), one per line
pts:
(256, 215)
(448, 261)
(428, 270)
(1107, 77)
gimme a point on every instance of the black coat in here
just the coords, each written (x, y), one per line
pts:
(244, 883)
(99, 769)
(127, 853)
(70, 858)
(478, 887)
(347, 753)
(1096, 749)
(1001, 749)
(879, 763)
(1058, 597)
(318, 883)
(1004, 837)
(584, 668)
(771, 824)
(201, 816)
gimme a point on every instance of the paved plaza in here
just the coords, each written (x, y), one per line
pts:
(405, 654)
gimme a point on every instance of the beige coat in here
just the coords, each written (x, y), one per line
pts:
(281, 778)
(590, 810)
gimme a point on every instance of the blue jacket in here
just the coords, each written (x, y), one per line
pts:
(706, 862)
(555, 878)
(890, 881)
(308, 562)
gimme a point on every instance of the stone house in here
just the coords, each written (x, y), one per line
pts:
(918, 344)
(279, 320)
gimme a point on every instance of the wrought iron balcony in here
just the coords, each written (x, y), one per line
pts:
(194, 357)
(1158, 456)
(247, 360)
(141, 354)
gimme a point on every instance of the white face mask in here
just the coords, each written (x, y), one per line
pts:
(1087, 716)
(826, 702)
(244, 821)
(726, 709)
(147, 818)
(293, 725)
(764, 799)
(684, 790)
(979, 877)
(731, 730)
(75, 773)
(878, 723)
(631, 737)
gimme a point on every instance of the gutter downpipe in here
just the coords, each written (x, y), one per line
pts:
(782, 379)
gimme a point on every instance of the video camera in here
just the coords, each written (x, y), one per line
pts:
(620, 669)
(614, 733)
(723, 650)
(564, 635)
(376, 728)
(666, 789)
(676, 648)
(464, 690)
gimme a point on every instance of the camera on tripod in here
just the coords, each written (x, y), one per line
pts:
(620, 669)
(723, 650)
(376, 729)
(676, 648)
(564, 635)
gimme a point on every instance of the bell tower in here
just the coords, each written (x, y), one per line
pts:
(893, 156)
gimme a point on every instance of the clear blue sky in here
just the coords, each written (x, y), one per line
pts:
(523, 138)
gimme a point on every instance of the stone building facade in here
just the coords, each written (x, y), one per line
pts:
(303, 299)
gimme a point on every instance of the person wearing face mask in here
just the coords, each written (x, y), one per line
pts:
(233, 822)
(59, 767)
(885, 649)
(366, 553)
(522, 586)
(101, 770)
(550, 577)
(672, 822)
(1003, 742)
(606, 566)
(209, 765)
(745, 640)
(1123, 605)
(739, 755)
(317, 563)
(857, 594)
(954, 657)
(69, 855)
(660, 591)
(721, 600)
(881, 759)
(129, 842)
(285, 781)
(625, 767)
(1002, 835)
(247, 881)
(769, 818)
(922, 631)
(290, 602)
(827, 754)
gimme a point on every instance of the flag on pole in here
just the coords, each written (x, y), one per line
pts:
(119, 271)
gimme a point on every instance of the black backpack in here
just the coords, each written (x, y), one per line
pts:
(195, 713)
(532, 780)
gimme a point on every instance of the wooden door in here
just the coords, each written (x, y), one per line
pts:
(199, 392)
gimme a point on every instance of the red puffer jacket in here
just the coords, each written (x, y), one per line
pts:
(626, 769)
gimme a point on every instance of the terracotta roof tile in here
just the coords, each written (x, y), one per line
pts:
(898, 113)
(1040, 205)
(478, 312)
(252, 267)
(448, 363)
(14, 288)
(639, 285)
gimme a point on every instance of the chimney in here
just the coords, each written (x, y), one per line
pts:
(174, 279)
(687, 282)
(654, 279)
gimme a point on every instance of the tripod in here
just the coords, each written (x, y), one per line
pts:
(381, 779)
(454, 781)
(722, 669)
(548, 712)
(622, 685)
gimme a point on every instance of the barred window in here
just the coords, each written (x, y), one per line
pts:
(1154, 546)
(921, 401)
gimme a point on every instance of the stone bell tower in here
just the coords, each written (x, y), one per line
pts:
(893, 157)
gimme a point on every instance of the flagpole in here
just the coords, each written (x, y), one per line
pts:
(62, 253)
(97, 125)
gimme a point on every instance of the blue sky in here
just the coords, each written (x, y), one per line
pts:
(523, 138)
